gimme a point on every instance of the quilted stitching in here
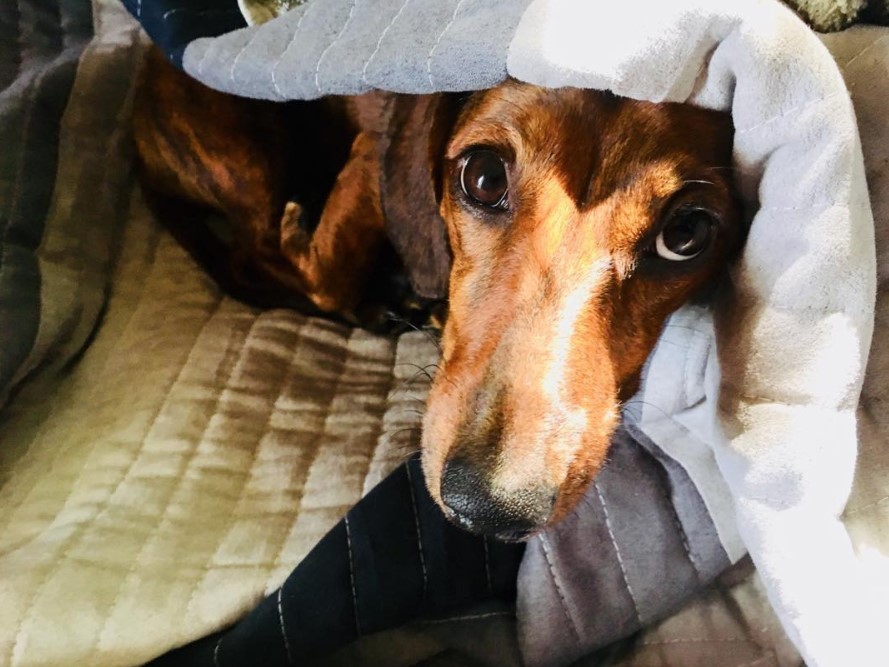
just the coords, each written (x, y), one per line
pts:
(617, 551)
(560, 588)
(172, 24)
(438, 42)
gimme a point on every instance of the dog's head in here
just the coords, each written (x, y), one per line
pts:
(567, 225)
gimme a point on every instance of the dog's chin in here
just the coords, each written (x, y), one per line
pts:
(507, 534)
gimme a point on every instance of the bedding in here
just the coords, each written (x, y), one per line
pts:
(165, 469)
(54, 250)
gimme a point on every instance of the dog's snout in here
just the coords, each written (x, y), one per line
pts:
(479, 506)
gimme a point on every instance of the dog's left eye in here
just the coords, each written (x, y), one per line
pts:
(483, 179)
(686, 235)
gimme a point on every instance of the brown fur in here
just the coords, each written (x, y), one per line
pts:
(592, 176)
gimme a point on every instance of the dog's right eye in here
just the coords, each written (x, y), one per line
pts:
(484, 181)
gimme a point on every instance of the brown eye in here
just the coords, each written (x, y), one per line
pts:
(687, 234)
(483, 179)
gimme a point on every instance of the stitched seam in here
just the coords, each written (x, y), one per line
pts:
(686, 369)
(794, 110)
(417, 526)
(236, 60)
(318, 439)
(180, 478)
(471, 617)
(332, 43)
(870, 505)
(682, 534)
(380, 42)
(620, 560)
(391, 406)
(77, 534)
(11, 511)
(287, 49)
(216, 662)
(352, 577)
(203, 59)
(237, 508)
(487, 565)
(384, 409)
(699, 640)
(438, 41)
(559, 589)
(283, 628)
(867, 48)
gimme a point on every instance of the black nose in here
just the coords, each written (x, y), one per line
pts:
(480, 508)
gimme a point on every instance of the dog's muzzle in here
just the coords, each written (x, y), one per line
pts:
(475, 505)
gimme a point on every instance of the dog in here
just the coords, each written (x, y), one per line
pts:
(562, 226)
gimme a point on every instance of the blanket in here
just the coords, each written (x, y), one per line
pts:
(102, 444)
(776, 403)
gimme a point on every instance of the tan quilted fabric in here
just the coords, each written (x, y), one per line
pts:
(197, 452)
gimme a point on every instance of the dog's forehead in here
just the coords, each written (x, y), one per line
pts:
(515, 114)
(585, 134)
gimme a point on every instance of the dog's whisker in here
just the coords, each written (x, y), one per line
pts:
(426, 331)
(640, 403)
(420, 369)
(408, 383)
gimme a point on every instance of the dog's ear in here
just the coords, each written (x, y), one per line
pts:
(410, 188)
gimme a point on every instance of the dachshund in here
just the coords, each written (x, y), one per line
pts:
(563, 227)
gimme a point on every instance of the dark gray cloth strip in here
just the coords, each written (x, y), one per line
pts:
(701, 537)
(622, 560)
(49, 39)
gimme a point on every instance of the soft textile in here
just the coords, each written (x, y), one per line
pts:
(778, 409)
(54, 252)
(108, 559)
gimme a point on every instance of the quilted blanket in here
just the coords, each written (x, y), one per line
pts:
(163, 471)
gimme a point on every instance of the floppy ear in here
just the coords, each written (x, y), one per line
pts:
(410, 188)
